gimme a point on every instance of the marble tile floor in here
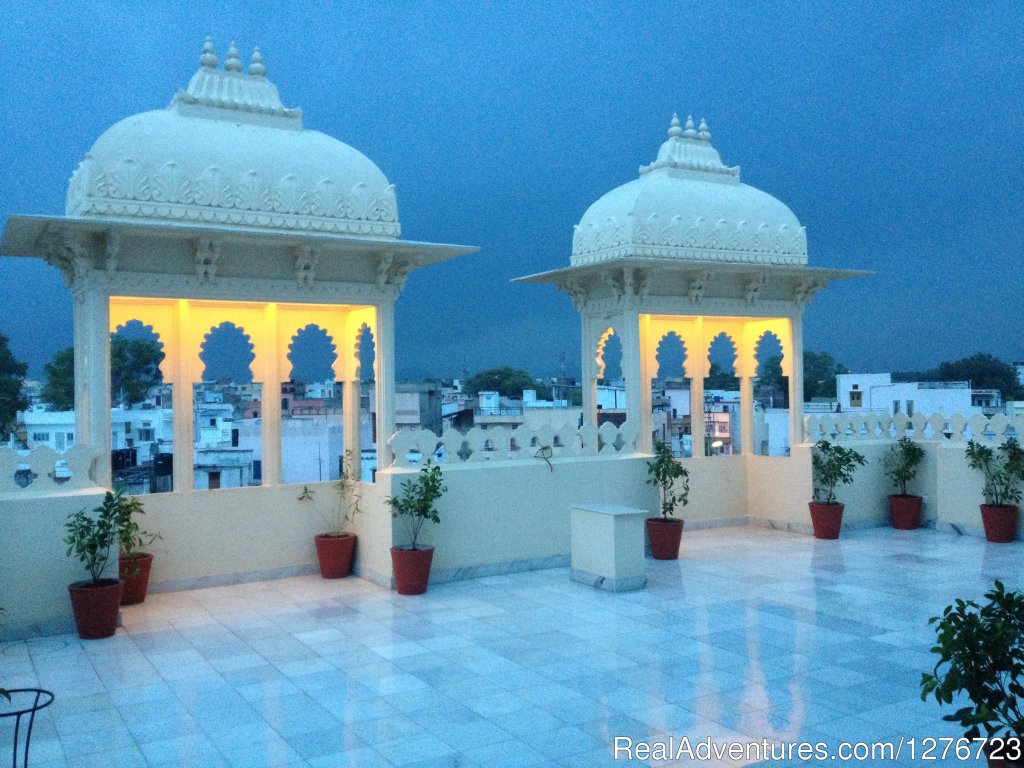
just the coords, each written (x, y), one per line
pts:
(753, 634)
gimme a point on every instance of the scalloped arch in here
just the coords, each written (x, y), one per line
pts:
(309, 338)
(602, 340)
(237, 341)
(671, 344)
(365, 350)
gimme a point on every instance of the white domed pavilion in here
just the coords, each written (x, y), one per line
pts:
(687, 248)
(224, 207)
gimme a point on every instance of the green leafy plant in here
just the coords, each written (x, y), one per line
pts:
(1003, 469)
(900, 462)
(832, 465)
(90, 538)
(670, 478)
(342, 514)
(130, 538)
(416, 504)
(981, 654)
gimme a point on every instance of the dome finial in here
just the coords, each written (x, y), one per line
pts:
(690, 132)
(209, 58)
(234, 61)
(674, 131)
(703, 133)
(256, 67)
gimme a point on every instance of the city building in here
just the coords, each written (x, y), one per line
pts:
(878, 393)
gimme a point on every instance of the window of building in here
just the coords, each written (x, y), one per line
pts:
(910, 407)
(895, 407)
(40, 437)
(214, 481)
(856, 398)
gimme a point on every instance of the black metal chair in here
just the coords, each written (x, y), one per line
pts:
(25, 701)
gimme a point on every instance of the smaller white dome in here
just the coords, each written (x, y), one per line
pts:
(226, 151)
(687, 205)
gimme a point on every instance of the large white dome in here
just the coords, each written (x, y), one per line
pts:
(687, 205)
(226, 151)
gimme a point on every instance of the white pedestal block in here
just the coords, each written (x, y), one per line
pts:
(607, 543)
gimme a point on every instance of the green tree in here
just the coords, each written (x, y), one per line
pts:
(12, 374)
(508, 382)
(770, 373)
(984, 372)
(134, 369)
(820, 371)
(59, 380)
(719, 379)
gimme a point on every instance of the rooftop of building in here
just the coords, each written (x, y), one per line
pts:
(807, 641)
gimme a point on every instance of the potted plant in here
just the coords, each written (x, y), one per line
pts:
(981, 655)
(1003, 469)
(95, 602)
(831, 466)
(133, 565)
(900, 463)
(336, 548)
(673, 483)
(415, 506)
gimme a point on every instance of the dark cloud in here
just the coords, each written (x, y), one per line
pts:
(891, 129)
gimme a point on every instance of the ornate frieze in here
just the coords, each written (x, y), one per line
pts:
(167, 192)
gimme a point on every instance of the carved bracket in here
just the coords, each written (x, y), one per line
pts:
(306, 260)
(393, 273)
(805, 289)
(752, 287)
(698, 284)
(207, 254)
(72, 253)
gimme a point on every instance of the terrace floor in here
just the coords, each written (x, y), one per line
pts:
(752, 634)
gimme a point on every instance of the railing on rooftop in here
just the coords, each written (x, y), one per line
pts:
(850, 427)
(415, 447)
(43, 470)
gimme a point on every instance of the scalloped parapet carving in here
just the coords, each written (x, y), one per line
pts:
(44, 471)
(957, 428)
(414, 447)
(695, 239)
(138, 188)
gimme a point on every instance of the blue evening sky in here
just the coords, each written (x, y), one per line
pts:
(892, 130)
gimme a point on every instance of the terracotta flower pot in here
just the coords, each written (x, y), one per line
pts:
(412, 569)
(335, 554)
(664, 535)
(906, 511)
(826, 519)
(1000, 522)
(95, 607)
(134, 572)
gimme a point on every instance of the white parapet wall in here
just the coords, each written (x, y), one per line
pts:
(507, 508)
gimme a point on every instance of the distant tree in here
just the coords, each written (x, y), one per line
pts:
(134, 369)
(59, 380)
(719, 379)
(770, 373)
(12, 375)
(508, 382)
(983, 371)
(820, 371)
